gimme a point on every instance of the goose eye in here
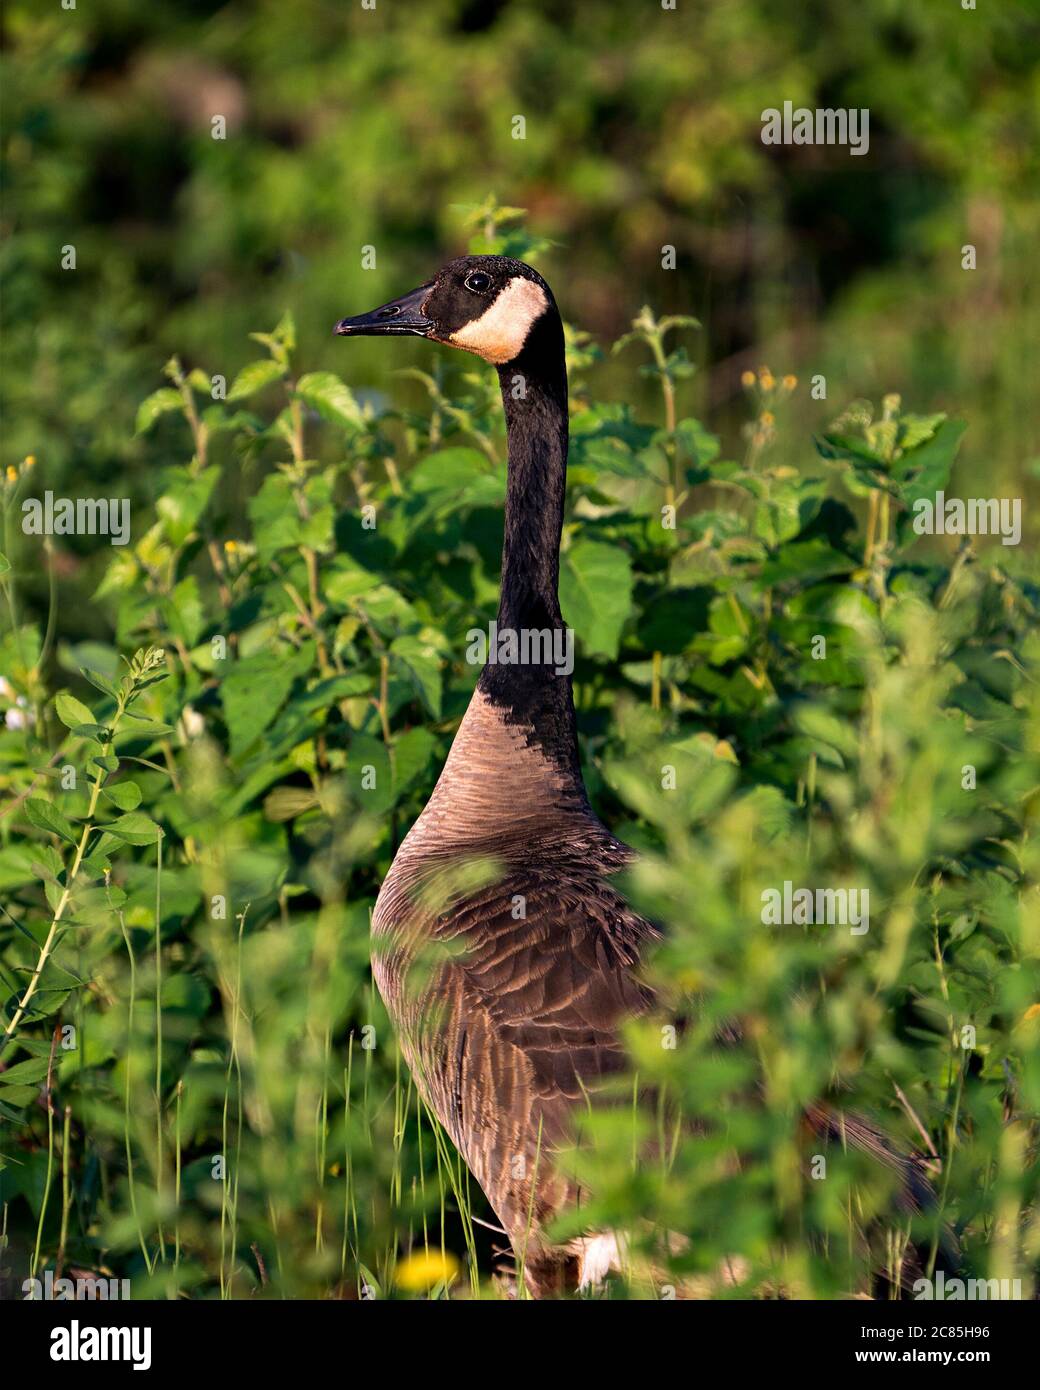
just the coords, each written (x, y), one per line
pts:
(477, 281)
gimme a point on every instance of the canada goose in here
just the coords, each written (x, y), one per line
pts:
(508, 998)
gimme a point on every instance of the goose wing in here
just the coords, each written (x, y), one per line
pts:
(541, 976)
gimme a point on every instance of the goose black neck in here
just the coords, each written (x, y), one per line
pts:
(534, 393)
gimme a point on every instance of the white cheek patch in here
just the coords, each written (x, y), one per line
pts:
(501, 331)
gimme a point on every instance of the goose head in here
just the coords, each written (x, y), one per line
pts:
(488, 305)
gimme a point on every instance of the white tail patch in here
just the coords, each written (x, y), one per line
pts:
(599, 1255)
(501, 331)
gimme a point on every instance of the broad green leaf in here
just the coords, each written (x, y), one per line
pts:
(451, 481)
(16, 1095)
(24, 1073)
(45, 816)
(125, 795)
(344, 580)
(255, 689)
(94, 865)
(158, 403)
(927, 469)
(254, 377)
(422, 663)
(184, 611)
(183, 499)
(369, 775)
(331, 398)
(596, 594)
(386, 609)
(412, 753)
(135, 828)
(805, 561)
(18, 864)
(277, 524)
(72, 712)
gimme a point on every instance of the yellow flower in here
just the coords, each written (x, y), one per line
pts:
(767, 381)
(425, 1268)
(1030, 1020)
(790, 382)
(230, 547)
(30, 460)
(747, 378)
(767, 418)
(12, 473)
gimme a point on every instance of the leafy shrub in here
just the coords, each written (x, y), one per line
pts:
(776, 682)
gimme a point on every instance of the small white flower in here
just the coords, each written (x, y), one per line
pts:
(15, 718)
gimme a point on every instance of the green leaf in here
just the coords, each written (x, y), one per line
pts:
(184, 611)
(285, 803)
(158, 403)
(24, 1073)
(452, 480)
(46, 816)
(805, 561)
(838, 447)
(422, 663)
(72, 712)
(254, 377)
(369, 776)
(5, 564)
(99, 681)
(344, 579)
(791, 507)
(135, 828)
(94, 865)
(277, 524)
(256, 688)
(183, 499)
(17, 1095)
(18, 863)
(97, 732)
(926, 470)
(596, 593)
(125, 795)
(331, 398)
(46, 1001)
(386, 609)
(412, 753)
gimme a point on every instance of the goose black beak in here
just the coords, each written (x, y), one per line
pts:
(402, 315)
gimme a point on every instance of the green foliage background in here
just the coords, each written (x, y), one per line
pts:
(233, 1117)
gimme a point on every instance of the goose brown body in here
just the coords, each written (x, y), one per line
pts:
(509, 1021)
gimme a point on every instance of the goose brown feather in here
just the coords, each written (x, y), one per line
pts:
(509, 1022)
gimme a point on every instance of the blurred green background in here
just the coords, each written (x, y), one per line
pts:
(349, 127)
